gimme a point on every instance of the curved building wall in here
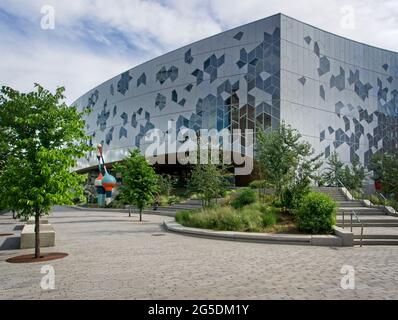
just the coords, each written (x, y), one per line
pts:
(340, 94)
(213, 83)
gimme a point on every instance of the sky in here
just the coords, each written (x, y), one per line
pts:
(79, 44)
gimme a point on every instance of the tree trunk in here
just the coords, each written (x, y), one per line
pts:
(129, 211)
(37, 236)
(140, 215)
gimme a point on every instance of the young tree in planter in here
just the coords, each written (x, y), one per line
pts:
(207, 180)
(44, 137)
(288, 162)
(139, 181)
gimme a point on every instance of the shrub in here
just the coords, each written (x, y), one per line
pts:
(244, 198)
(268, 214)
(375, 199)
(252, 218)
(355, 194)
(269, 219)
(173, 200)
(183, 216)
(277, 203)
(269, 198)
(258, 184)
(316, 213)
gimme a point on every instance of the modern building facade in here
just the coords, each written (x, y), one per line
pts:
(340, 94)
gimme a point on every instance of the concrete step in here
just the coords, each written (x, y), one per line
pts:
(369, 224)
(377, 218)
(376, 236)
(360, 210)
(334, 193)
(347, 203)
(360, 214)
(377, 242)
(337, 193)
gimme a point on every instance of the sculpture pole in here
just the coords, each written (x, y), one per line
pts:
(105, 182)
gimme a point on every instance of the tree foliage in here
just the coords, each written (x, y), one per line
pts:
(40, 140)
(287, 162)
(385, 170)
(351, 176)
(139, 181)
(166, 184)
(316, 213)
(334, 171)
(208, 181)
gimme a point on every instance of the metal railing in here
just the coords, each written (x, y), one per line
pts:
(352, 215)
(382, 197)
(342, 184)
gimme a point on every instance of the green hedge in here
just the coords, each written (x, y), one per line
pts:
(316, 213)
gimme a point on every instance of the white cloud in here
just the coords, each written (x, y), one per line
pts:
(97, 39)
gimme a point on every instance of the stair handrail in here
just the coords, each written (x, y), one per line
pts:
(347, 191)
(360, 222)
(342, 184)
(382, 197)
(353, 214)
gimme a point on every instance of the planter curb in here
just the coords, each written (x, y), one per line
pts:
(292, 239)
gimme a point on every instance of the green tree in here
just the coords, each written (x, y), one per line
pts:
(385, 170)
(354, 175)
(139, 181)
(334, 171)
(351, 176)
(208, 181)
(299, 187)
(287, 162)
(166, 183)
(41, 139)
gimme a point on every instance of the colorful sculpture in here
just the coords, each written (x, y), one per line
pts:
(105, 182)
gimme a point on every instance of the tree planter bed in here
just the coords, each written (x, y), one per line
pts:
(310, 240)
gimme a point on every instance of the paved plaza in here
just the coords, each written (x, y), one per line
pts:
(112, 256)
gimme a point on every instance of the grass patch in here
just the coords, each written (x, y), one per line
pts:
(252, 218)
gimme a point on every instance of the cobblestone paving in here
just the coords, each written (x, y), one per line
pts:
(112, 256)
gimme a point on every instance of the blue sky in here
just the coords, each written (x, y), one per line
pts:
(94, 40)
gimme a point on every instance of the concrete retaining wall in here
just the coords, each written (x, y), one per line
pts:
(314, 240)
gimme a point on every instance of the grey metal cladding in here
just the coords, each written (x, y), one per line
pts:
(340, 94)
(354, 111)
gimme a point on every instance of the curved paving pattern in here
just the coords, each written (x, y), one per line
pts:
(114, 257)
